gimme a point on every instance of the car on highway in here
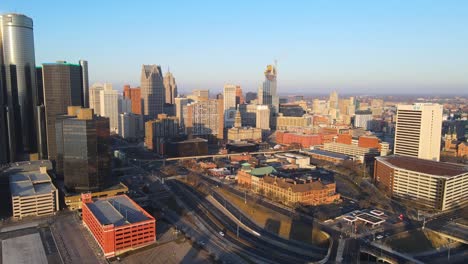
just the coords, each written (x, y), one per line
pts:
(379, 237)
(221, 233)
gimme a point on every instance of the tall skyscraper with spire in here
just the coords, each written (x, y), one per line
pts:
(170, 87)
(18, 90)
(267, 93)
(152, 91)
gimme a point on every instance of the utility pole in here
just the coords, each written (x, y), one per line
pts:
(245, 196)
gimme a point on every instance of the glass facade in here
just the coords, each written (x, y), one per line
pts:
(86, 153)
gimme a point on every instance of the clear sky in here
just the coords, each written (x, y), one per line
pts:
(372, 47)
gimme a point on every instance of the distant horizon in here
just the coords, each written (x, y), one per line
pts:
(353, 47)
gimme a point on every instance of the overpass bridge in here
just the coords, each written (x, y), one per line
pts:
(213, 156)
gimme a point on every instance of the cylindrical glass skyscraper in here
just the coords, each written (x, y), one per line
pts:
(19, 74)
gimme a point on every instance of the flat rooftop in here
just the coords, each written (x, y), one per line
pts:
(424, 166)
(26, 249)
(30, 183)
(118, 210)
(368, 218)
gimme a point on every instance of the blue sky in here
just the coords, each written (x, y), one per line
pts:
(351, 46)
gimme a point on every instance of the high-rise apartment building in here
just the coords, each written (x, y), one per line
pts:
(62, 85)
(159, 131)
(18, 90)
(109, 102)
(86, 150)
(134, 94)
(418, 131)
(85, 78)
(267, 93)
(95, 97)
(152, 91)
(170, 87)
(204, 118)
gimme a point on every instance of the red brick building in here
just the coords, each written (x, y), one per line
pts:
(118, 224)
(304, 140)
(134, 94)
(289, 191)
(369, 142)
(344, 138)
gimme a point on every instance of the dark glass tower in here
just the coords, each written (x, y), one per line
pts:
(86, 151)
(18, 88)
(63, 87)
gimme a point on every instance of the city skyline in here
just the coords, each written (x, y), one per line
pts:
(357, 48)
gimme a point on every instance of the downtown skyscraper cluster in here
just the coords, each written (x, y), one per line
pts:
(31, 97)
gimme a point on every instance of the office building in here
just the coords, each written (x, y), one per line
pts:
(204, 119)
(32, 190)
(125, 105)
(201, 94)
(250, 96)
(359, 153)
(152, 91)
(363, 119)
(85, 78)
(267, 93)
(62, 86)
(18, 90)
(130, 125)
(229, 97)
(303, 140)
(159, 131)
(319, 107)
(239, 95)
(418, 131)
(263, 117)
(239, 133)
(185, 148)
(333, 100)
(180, 102)
(134, 94)
(249, 114)
(109, 102)
(291, 109)
(285, 122)
(118, 224)
(85, 138)
(433, 184)
(95, 97)
(170, 87)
